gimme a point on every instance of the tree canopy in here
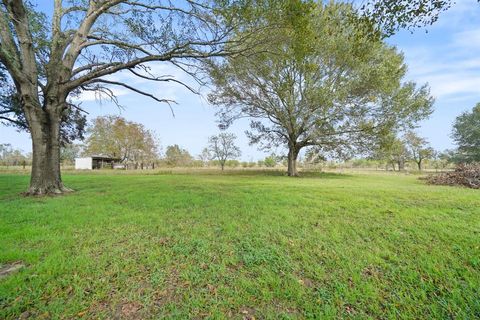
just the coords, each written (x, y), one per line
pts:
(466, 134)
(116, 137)
(393, 15)
(393, 150)
(222, 148)
(324, 84)
(73, 120)
(177, 156)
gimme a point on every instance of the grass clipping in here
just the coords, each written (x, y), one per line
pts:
(467, 175)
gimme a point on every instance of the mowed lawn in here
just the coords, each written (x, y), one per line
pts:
(251, 246)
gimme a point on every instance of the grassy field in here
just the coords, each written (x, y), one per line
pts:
(242, 246)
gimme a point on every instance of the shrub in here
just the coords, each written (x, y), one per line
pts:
(270, 162)
(467, 175)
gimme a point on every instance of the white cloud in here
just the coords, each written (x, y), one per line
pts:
(467, 40)
(451, 68)
(451, 84)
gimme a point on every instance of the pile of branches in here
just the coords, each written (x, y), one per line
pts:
(467, 175)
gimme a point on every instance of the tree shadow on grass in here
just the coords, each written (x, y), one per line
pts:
(325, 175)
(283, 173)
(253, 173)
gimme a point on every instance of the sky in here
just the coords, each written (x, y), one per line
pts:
(445, 55)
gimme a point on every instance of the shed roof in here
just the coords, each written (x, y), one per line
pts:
(101, 157)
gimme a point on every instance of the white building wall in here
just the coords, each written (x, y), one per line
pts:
(83, 163)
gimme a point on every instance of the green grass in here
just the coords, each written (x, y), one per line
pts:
(247, 246)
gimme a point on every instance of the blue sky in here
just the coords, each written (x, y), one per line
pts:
(447, 57)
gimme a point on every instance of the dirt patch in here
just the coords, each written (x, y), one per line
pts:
(349, 309)
(9, 268)
(129, 310)
(169, 292)
(306, 282)
(372, 271)
(247, 313)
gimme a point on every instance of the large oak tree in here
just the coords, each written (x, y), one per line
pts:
(50, 58)
(73, 119)
(326, 84)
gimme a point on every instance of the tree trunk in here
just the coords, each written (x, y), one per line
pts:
(292, 162)
(419, 163)
(401, 165)
(222, 165)
(45, 133)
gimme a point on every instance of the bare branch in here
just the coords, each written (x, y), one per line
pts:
(151, 96)
(164, 79)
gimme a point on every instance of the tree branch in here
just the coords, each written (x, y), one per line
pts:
(151, 96)
(163, 79)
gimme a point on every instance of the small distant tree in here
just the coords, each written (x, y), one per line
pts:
(443, 158)
(116, 137)
(69, 152)
(232, 163)
(393, 151)
(419, 148)
(270, 161)
(205, 156)
(177, 157)
(5, 149)
(10, 156)
(222, 148)
(466, 133)
(399, 154)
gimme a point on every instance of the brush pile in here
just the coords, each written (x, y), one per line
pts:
(467, 175)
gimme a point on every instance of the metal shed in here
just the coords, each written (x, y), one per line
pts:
(95, 162)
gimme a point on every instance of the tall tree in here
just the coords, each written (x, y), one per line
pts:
(419, 148)
(325, 84)
(466, 133)
(80, 44)
(222, 148)
(116, 137)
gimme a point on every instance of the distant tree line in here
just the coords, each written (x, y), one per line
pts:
(9, 156)
(138, 147)
(314, 77)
